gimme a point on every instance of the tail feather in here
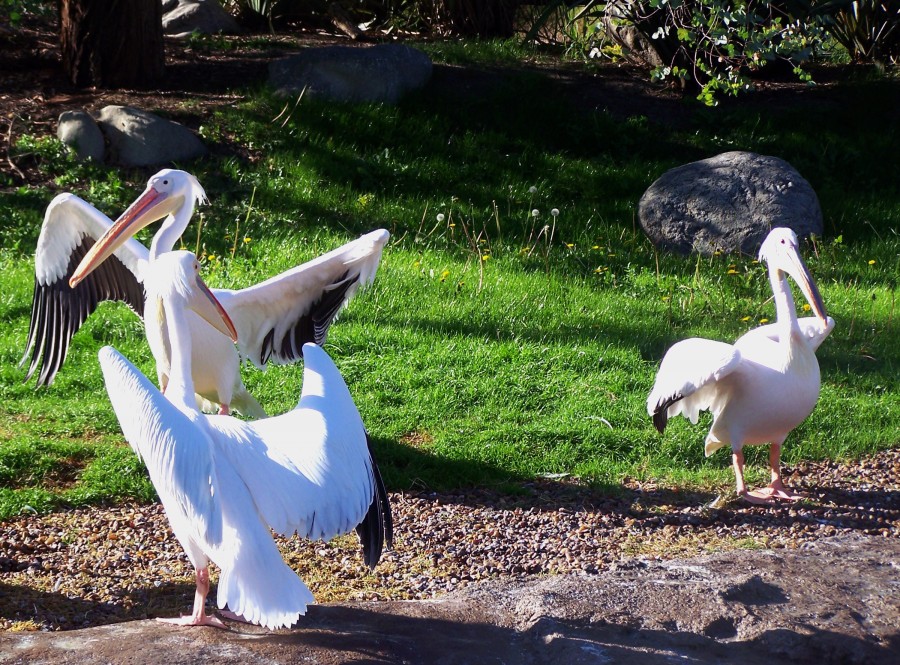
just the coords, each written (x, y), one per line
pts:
(275, 599)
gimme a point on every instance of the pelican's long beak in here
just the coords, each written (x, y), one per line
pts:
(208, 306)
(798, 270)
(149, 207)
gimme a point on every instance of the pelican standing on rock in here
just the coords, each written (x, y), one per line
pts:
(225, 482)
(73, 274)
(761, 387)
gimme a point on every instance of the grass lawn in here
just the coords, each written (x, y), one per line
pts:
(518, 316)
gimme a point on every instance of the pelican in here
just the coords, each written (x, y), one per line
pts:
(759, 388)
(73, 274)
(225, 482)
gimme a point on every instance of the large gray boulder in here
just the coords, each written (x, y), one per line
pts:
(139, 138)
(727, 203)
(79, 131)
(378, 74)
(183, 17)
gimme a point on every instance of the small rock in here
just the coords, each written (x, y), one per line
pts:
(79, 131)
(185, 17)
(376, 74)
(139, 138)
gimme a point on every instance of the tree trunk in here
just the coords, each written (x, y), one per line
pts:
(112, 43)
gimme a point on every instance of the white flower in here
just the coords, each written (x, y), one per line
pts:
(532, 190)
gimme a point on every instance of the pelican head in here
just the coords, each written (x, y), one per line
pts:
(175, 276)
(781, 252)
(168, 192)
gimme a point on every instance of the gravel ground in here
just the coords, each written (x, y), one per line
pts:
(90, 567)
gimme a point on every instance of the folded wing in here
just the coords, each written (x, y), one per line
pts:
(687, 377)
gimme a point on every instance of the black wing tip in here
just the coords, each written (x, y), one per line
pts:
(660, 419)
(377, 527)
(661, 413)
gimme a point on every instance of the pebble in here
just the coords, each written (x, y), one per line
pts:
(88, 567)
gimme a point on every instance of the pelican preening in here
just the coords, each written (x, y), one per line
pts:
(73, 274)
(225, 482)
(761, 387)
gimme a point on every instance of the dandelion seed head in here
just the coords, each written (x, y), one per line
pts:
(440, 217)
(555, 212)
(532, 190)
(535, 213)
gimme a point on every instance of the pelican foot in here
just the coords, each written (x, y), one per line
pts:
(771, 494)
(760, 497)
(204, 620)
(785, 493)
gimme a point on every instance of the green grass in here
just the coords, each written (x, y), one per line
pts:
(486, 353)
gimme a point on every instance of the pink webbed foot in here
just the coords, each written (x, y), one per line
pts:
(203, 620)
(766, 496)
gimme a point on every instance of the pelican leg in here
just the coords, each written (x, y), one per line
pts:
(198, 617)
(224, 410)
(756, 497)
(777, 488)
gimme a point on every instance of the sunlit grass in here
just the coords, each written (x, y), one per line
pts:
(496, 344)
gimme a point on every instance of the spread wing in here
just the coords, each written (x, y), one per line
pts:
(310, 470)
(70, 228)
(177, 452)
(275, 318)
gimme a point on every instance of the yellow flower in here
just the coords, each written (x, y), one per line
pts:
(732, 271)
(444, 275)
(247, 238)
(764, 320)
(746, 318)
(871, 262)
(806, 307)
(416, 264)
(596, 247)
(570, 245)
